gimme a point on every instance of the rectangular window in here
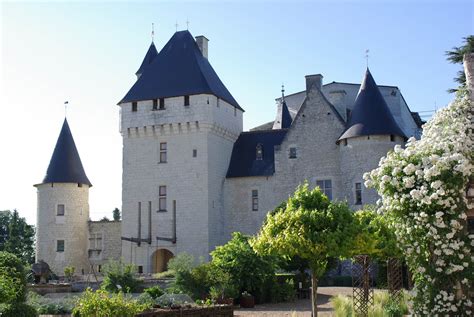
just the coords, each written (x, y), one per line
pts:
(162, 199)
(235, 111)
(61, 210)
(254, 200)
(140, 269)
(162, 103)
(358, 193)
(163, 153)
(326, 187)
(60, 246)
(155, 104)
(186, 100)
(134, 106)
(195, 153)
(392, 138)
(292, 153)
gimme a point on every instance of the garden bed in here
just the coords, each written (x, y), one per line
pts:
(214, 311)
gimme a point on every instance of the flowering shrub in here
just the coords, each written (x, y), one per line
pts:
(423, 189)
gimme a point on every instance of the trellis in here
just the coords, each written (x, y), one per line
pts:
(395, 279)
(362, 293)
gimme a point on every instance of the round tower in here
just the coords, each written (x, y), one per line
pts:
(371, 132)
(63, 209)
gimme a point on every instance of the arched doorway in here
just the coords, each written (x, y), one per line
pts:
(159, 260)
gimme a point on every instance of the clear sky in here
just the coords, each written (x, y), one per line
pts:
(88, 52)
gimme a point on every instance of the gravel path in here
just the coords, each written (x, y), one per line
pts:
(298, 308)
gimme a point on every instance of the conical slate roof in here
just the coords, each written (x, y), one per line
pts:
(65, 165)
(283, 119)
(149, 57)
(178, 70)
(370, 114)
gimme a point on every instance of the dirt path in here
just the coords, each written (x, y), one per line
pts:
(298, 308)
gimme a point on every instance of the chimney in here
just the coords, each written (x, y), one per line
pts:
(202, 41)
(313, 82)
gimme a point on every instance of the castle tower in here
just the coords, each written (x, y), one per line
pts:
(63, 209)
(370, 133)
(178, 123)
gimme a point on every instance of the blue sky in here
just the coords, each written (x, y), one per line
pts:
(87, 53)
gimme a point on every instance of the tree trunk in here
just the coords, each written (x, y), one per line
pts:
(314, 294)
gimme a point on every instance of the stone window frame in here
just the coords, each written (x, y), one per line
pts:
(254, 199)
(163, 152)
(357, 193)
(162, 104)
(60, 246)
(326, 189)
(292, 152)
(60, 211)
(162, 195)
(155, 105)
(96, 241)
(187, 100)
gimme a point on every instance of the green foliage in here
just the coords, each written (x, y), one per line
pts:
(16, 236)
(374, 236)
(248, 270)
(310, 227)
(17, 310)
(69, 272)
(154, 291)
(165, 274)
(44, 305)
(103, 304)
(12, 279)
(283, 291)
(383, 306)
(116, 214)
(455, 56)
(120, 277)
(181, 262)
(194, 281)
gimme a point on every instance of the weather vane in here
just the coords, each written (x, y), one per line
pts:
(367, 57)
(282, 91)
(65, 108)
(152, 31)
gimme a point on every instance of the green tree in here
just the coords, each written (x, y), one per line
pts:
(16, 236)
(116, 214)
(455, 56)
(310, 227)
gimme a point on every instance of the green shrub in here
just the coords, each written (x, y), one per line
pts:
(69, 272)
(120, 277)
(17, 310)
(283, 291)
(12, 279)
(154, 291)
(103, 304)
(165, 274)
(182, 262)
(194, 282)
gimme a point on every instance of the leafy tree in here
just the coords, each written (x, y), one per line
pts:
(104, 219)
(455, 56)
(249, 270)
(116, 214)
(310, 227)
(16, 236)
(120, 277)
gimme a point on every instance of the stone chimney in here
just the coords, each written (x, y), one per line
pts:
(202, 41)
(313, 82)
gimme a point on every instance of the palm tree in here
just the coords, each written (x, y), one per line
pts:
(455, 56)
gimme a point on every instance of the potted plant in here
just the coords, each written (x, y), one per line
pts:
(247, 300)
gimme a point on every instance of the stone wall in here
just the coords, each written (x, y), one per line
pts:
(104, 242)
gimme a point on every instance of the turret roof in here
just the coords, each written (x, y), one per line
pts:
(283, 119)
(65, 165)
(179, 69)
(149, 57)
(370, 114)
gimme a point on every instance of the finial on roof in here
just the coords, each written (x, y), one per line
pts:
(152, 32)
(282, 91)
(176, 25)
(65, 108)
(187, 24)
(367, 57)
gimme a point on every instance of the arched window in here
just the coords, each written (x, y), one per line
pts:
(259, 152)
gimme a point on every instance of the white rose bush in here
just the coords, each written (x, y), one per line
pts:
(423, 192)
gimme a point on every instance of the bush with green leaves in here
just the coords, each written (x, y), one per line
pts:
(69, 272)
(46, 305)
(154, 291)
(119, 276)
(103, 304)
(249, 271)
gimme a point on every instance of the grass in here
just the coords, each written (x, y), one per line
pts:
(383, 306)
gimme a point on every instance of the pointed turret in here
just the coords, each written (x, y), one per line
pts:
(370, 114)
(283, 119)
(149, 57)
(65, 165)
(179, 69)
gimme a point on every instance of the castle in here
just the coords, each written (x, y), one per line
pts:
(191, 176)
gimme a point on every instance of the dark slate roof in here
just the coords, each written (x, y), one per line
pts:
(149, 57)
(178, 70)
(243, 160)
(283, 119)
(370, 114)
(65, 165)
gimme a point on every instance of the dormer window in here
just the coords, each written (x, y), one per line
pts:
(134, 106)
(162, 103)
(259, 152)
(186, 100)
(155, 104)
